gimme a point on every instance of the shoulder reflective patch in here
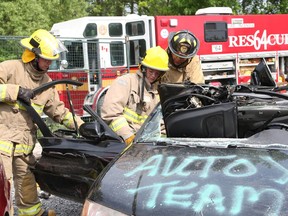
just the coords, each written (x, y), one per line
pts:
(122, 82)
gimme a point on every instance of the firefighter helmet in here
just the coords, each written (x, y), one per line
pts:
(183, 44)
(41, 43)
(156, 58)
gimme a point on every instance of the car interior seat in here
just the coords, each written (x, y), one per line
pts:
(214, 121)
(206, 121)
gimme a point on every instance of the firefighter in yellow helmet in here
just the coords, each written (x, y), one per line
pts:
(18, 132)
(184, 63)
(132, 97)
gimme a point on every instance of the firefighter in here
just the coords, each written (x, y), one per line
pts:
(18, 132)
(131, 97)
(184, 64)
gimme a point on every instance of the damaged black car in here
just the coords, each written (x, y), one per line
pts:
(204, 150)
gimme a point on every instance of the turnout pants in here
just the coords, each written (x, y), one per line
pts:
(26, 197)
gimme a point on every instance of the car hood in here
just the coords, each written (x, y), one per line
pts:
(166, 180)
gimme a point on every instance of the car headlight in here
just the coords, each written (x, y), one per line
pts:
(91, 208)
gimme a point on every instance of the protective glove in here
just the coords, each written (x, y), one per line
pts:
(25, 95)
(129, 140)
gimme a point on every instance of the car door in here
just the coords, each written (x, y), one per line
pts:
(71, 160)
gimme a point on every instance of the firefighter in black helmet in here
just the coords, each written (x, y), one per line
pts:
(184, 64)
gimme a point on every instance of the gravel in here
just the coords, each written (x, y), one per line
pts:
(61, 206)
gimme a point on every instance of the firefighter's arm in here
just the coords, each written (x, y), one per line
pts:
(115, 101)
(56, 110)
(194, 71)
(8, 92)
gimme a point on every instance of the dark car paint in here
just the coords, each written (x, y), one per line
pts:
(202, 176)
(173, 180)
(68, 167)
(5, 195)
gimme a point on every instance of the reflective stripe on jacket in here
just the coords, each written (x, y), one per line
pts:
(6, 147)
(123, 109)
(16, 124)
(129, 115)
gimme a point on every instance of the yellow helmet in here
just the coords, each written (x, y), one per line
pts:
(156, 58)
(41, 43)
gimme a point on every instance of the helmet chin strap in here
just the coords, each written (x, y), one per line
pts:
(37, 51)
(143, 70)
(35, 64)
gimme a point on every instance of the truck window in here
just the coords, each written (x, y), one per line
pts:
(93, 59)
(137, 51)
(90, 30)
(92, 46)
(117, 53)
(135, 28)
(75, 54)
(115, 29)
(215, 32)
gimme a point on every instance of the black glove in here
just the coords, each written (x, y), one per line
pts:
(25, 95)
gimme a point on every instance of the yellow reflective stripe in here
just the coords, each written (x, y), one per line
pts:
(3, 90)
(118, 124)
(38, 108)
(16, 105)
(132, 116)
(30, 211)
(6, 147)
(68, 120)
(20, 148)
(23, 149)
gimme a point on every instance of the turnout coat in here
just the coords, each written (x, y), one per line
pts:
(16, 126)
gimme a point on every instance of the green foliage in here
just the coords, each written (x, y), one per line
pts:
(31, 17)
(182, 7)
(65, 10)
(22, 17)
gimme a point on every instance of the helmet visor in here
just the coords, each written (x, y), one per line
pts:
(183, 50)
(52, 49)
(59, 48)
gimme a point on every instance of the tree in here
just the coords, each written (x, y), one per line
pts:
(107, 7)
(277, 6)
(183, 7)
(66, 10)
(35, 14)
(155, 7)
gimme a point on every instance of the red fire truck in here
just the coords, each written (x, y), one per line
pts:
(102, 48)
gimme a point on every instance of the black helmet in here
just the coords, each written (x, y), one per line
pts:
(183, 44)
